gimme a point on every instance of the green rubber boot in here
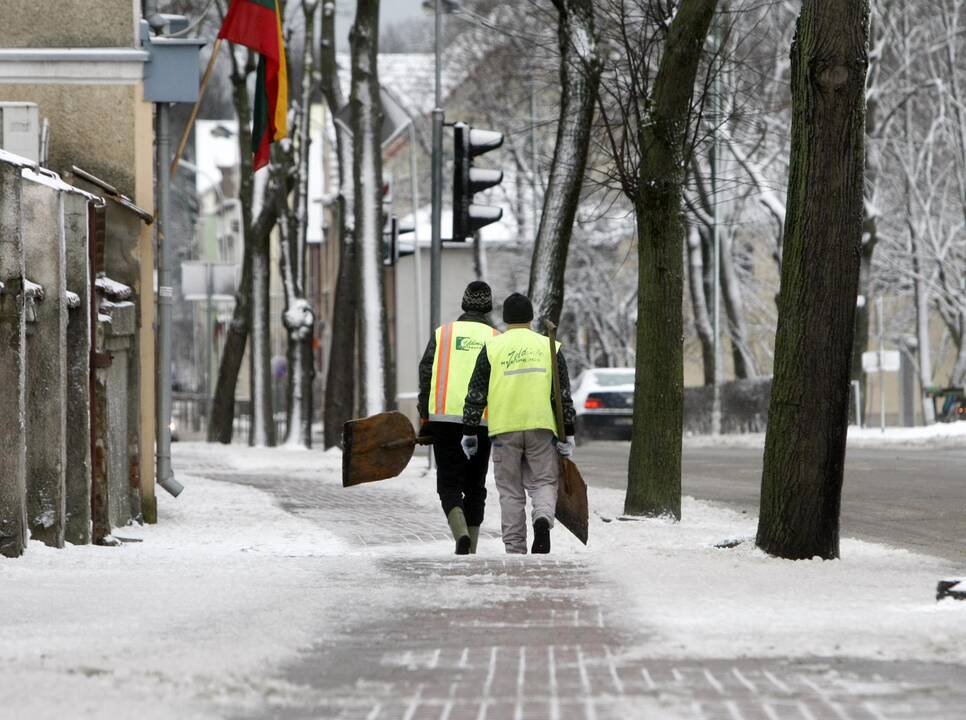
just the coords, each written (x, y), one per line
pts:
(457, 525)
(474, 538)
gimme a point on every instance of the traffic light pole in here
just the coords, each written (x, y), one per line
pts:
(436, 251)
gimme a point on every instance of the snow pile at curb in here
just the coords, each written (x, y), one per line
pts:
(942, 434)
(876, 602)
(937, 435)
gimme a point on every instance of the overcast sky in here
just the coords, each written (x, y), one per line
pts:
(390, 11)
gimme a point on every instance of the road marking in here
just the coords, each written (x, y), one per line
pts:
(612, 666)
(806, 713)
(584, 677)
(521, 670)
(834, 706)
(752, 688)
(434, 659)
(414, 703)
(374, 713)
(490, 673)
(552, 669)
(448, 706)
(776, 682)
(464, 657)
(713, 681)
(648, 680)
(733, 710)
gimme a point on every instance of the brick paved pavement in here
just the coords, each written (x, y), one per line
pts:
(535, 642)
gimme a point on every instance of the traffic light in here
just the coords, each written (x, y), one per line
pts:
(467, 180)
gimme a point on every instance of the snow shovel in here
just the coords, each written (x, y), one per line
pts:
(571, 511)
(377, 447)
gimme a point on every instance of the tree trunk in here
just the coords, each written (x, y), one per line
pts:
(298, 319)
(221, 424)
(862, 323)
(734, 306)
(699, 302)
(957, 377)
(222, 420)
(340, 383)
(366, 118)
(654, 476)
(262, 432)
(808, 415)
(580, 70)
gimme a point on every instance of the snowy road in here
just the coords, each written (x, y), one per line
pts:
(907, 496)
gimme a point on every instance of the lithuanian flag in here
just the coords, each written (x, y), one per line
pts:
(257, 24)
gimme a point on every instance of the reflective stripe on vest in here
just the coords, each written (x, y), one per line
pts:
(520, 382)
(458, 345)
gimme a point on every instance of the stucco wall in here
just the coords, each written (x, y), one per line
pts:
(91, 126)
(79, 23)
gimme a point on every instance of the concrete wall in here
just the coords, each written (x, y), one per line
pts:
(43, 234)
(78, 475)
(79, 23)
(13, 491)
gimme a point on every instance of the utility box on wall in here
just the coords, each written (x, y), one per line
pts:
(20, 129)
(172, 73)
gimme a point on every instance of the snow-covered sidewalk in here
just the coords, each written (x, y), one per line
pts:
(268, 590)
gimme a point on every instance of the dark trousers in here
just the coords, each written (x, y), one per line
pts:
(460, 482)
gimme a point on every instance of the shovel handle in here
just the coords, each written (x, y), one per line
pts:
(394, 444)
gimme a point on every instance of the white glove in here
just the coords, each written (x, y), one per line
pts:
(566, 449)
(470, 444)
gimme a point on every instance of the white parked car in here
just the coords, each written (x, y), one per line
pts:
(604, 402)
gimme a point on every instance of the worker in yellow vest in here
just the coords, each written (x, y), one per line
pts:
(512, 383)
(444, 374)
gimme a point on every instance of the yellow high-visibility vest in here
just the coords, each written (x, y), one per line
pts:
(520, 382)
(458, 345)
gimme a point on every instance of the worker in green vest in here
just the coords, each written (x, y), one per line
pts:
(512, 383)
(444, 374)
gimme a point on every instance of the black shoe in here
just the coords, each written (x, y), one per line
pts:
(463, 545)
(541, 537)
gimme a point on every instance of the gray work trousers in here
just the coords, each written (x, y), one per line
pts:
(525, 460)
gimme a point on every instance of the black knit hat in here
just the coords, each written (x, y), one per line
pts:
(517, 309)
(477, 297)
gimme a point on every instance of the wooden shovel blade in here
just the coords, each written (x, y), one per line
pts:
(376, 448)
(572, 510)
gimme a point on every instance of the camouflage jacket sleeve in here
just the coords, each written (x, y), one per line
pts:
(426, 377)
(570, 415)
(476, 394)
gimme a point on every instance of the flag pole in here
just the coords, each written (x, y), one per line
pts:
(194, 110)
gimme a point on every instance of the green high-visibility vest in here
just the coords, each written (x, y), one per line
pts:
(458, 345)
(520, 382)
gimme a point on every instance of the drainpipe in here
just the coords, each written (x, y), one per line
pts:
(165, 475)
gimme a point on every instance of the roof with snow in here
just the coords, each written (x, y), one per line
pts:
(409, 78)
